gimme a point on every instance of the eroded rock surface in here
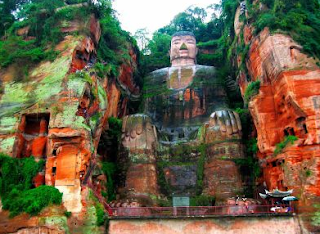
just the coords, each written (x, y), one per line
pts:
(287, 105)
(59, 115)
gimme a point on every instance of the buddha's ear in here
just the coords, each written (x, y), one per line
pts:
(197, 50)
(168, 54)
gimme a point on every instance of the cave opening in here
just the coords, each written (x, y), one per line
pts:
(32, 134)
(289, 131)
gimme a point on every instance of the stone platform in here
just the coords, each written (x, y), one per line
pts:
(217, 225)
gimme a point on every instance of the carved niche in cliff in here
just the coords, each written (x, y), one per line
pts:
(179, 101)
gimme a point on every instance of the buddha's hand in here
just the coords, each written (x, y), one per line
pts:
(226, 122)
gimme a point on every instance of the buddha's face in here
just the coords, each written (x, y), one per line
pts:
(183, 48)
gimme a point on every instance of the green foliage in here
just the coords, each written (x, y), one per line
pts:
(316, 216)
(111, 141)
(200, 167)
(300, 18)
(249, 166)
(114, 43)
(17, 173)
(179, 155)
(158, 53)
(31, 201)
(308, 173)
(163, 202)
(268, 3)
(251, 90)
(165, 187)
(45, 22)
(265, 20)
(24, 53)
(16, 186)
(202, 200)
(75, 1)
(105, 70)
(7, 8)
(67, 214)
(251, 163)
(252, 147)
(44, 32)
(100, 214)
(109, 169)
(244, 116)
(287, 140)
(115, 127)
(15, 49)
(206, 59)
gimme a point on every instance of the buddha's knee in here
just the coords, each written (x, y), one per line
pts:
(138, 133)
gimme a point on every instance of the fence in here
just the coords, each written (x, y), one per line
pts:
(201, 211)
(192, 211)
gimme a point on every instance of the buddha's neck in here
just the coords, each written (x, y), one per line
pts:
(182, 62)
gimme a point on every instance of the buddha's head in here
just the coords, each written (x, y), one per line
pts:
(183, 49)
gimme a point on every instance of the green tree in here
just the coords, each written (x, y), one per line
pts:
(141, 36)
(158, 53)
(7, 8)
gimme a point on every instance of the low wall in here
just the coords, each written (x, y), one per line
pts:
(223, 225)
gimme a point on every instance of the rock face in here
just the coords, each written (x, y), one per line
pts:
(60, 113)
(287, 105)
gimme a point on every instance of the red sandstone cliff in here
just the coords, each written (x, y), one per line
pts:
(287, 104)
(63, 122)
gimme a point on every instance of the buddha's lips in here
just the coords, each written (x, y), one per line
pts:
(183, 52)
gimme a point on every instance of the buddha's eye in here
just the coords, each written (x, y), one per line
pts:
(190, 41)
(176, 42)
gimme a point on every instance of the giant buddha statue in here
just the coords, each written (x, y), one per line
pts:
(184, 105)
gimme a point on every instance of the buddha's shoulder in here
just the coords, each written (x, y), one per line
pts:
(159, 72)
(204, 68)
(163, 73)
(205, 72)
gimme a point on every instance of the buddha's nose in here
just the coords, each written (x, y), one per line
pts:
(183, 47)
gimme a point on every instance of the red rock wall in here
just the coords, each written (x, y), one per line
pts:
(287, 104)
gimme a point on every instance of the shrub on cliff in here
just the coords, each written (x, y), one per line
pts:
(300, 18)
(287, 140)
(100, 214)
(202, 200)
(17, 173)
(109, 169)
(251, 90)
(316, 216)
(31, 201)
(16, 185)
